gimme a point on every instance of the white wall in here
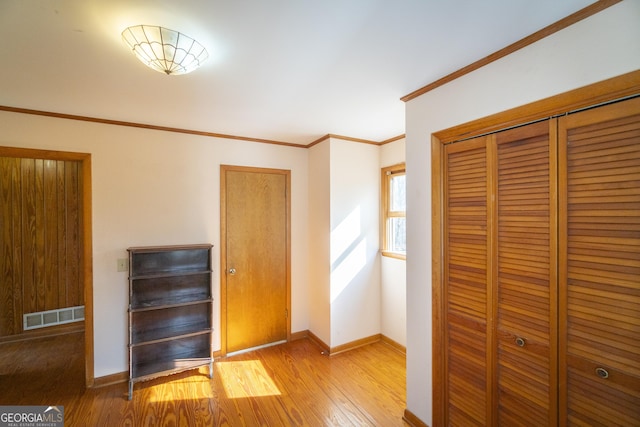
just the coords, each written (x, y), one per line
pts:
(319, 242)
(354, 293)
(344, 264)
(154, 188)
(159, 188)
(393, 279)
(600, 47)
(355, 237)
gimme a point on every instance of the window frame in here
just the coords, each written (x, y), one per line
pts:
(385, 209)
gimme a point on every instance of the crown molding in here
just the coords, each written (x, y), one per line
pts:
(182, 130)
(578, 16)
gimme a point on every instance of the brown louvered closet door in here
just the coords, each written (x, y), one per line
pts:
(540, 295)
(600, 266)
(500, 286)
(526, 277)
(465, 291)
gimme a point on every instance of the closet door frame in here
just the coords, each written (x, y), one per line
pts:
(86, 245)
(602, 92)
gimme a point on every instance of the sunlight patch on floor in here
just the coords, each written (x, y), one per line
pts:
(245, 378)
(197, 385)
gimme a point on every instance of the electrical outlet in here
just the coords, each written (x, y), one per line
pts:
(123, 264)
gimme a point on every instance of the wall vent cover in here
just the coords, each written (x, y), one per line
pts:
(42, 319)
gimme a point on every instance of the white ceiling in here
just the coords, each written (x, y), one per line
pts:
(282, 70)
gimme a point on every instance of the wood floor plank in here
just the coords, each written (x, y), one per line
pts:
(307, 376)
(291, 384)
(375, 391)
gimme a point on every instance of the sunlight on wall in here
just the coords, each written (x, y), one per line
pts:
(348, 255)
(348, 269)
(246, 378)
(345, 234)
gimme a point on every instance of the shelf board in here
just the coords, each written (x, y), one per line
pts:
(169, 248)
(165, 334)
(172, 273)
(169, 303)
(147, 371)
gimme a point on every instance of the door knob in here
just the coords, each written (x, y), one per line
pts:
(232, 271)
(602, 373)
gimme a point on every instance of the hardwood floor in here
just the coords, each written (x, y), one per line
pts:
(286, 385)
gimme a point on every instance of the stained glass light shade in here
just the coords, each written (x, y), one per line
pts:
(164, 50)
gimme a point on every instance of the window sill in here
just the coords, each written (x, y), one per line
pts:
(395, 255)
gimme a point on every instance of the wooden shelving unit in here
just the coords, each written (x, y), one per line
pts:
(170, 311)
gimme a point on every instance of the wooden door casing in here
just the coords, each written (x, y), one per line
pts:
(85, 266)
(255, 211)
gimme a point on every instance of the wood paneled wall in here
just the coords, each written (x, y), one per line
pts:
(40, 238)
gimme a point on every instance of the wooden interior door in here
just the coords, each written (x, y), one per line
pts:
(600, 266)
(526, 273)
(255, 259)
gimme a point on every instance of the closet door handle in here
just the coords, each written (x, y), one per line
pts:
(520, 342)
(232, 271)
(602, 373)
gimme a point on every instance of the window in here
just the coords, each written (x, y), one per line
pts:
(394, 211)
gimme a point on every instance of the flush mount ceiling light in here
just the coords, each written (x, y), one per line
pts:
(164, 50)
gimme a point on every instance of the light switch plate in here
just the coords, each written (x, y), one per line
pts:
(123, 264)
